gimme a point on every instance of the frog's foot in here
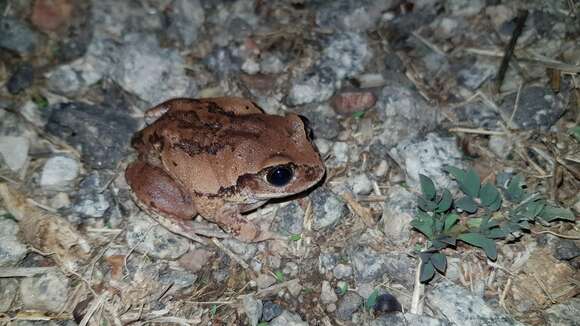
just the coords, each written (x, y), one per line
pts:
(245, 230)
(157, 191)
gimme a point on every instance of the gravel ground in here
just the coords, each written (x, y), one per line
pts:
(392, 89)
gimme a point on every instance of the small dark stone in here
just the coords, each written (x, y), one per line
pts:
(102, 133)
(387, 303)
(16, 36)
(21, 79)
(270, 310)
(566, 249)
(538, 108)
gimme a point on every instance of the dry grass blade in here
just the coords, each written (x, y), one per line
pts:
(46, 232)
(364, 213)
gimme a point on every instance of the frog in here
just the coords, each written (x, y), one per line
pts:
(220, 158)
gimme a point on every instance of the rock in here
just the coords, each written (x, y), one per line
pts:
(311, 88)
(288, 319)
(151, 72)
(16, 36)
(185, 21)
(195, 259)
(461, 307)
(49, 15)
(327, 261)
(246, 251)
(565, 313)
(8, 293)
(566, 249)
(399, 210)
(270, 310)
(400, 107)
(91, 200)
(370, 265)
(271, 64)
(346, 54)
(500, 146)
(342, 271)
(289, 219)
(479, 113)
(361, 184)
(350, 15)
(252, 308)
(250, 66)
(340, 153)
(14, 151)
(473, 75)
(327, 294)
(370, 80)
(428, 157)
(348, 103)
(104, 143)
(348, 305)
(150, 238)
(295, 288)
(65, 80)
(323, 122)
(465, 7)
(12, 249)
(327, 207)
(48, 292)
(538, 108)
(556, 277)
(265, 280)
(387, 303)
(181, 282)
(59, 172)
(21, 79)
(408, 319)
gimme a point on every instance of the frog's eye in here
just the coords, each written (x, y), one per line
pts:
(280, 175)
(307, 127)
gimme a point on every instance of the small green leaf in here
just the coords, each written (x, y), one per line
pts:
(438, 245)
(263, 323)
(467, 204)
(343, 288)
(450, 221)
(533, 208)
(470, 185)
(515, 191)
(497, 233)
(489, 195)
(427, 271)
(445, 202)
(426, 205)
(295, 237)
(457, 173)
(575, 132)
(550, 213)
(427, 187)
(279, 276)
(424, 223)
(372, 299)
(478, 240)
(213, 310)
(358, 114)
(439, 262)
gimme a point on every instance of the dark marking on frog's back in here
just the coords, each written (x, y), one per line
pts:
(192, 148)
(213, 107)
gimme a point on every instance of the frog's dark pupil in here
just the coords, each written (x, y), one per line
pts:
(279, 176)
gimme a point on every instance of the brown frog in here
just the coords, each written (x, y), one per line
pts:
(220, 157)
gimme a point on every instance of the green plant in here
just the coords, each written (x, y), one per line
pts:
(295, 237)
(279, 276)
(476, 218)
(372, 300)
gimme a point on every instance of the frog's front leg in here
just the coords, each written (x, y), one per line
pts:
(233, 222)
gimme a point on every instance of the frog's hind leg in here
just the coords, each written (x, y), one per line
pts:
(154, 188)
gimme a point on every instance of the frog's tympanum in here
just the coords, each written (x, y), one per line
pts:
(220, 157)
